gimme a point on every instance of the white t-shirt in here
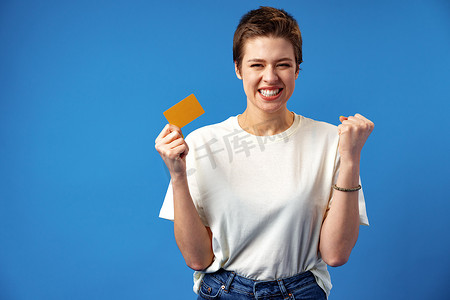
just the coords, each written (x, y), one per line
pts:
(264, 197)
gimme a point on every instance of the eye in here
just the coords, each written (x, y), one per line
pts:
(284, 65)
(256, 65)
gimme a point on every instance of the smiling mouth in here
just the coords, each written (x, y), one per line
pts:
(270, 93)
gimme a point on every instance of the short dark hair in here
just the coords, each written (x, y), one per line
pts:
(267, 22)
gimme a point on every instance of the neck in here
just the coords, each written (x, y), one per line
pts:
(264, 124)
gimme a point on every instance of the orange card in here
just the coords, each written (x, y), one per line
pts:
(184, 112)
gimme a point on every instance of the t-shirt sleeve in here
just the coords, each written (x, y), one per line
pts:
(363, 220)
(167, 209)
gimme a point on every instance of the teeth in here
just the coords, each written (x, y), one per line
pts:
(268, 93)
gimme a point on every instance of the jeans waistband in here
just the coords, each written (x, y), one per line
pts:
(230, 280)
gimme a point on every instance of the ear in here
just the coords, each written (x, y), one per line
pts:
(297, 72)
(236, 69)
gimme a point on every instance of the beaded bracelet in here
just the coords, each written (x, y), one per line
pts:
(354, 189)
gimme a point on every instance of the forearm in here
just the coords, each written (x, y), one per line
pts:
(192, 237)
(341, 226)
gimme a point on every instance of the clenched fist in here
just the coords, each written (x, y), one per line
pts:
(173, 149)
(353, 133)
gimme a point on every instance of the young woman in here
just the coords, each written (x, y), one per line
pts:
(263, 201)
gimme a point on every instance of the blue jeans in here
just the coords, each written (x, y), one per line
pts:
(229, 286)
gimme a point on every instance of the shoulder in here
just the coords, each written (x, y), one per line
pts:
(211, 132)
(318, 126)
(320, 138)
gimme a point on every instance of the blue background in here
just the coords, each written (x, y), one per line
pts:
(83, 85)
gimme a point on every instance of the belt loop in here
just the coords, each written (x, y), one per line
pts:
(229, 281)
(283, 289)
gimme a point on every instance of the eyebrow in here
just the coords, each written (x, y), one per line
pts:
(262, 60)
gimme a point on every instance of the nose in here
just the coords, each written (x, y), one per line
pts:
(270, 75)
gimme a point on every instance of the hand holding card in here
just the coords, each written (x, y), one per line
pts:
(170, 142)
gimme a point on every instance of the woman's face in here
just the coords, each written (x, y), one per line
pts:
(268, 72)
